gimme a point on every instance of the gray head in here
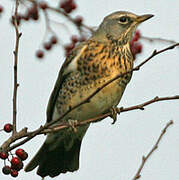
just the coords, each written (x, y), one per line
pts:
(119, 25)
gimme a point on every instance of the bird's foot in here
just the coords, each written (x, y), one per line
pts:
(73, 123)
(114, 113)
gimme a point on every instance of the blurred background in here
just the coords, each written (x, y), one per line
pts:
(109, 152)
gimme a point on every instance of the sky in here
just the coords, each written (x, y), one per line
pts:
(109, 152)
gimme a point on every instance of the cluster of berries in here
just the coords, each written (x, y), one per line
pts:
(47, 46)
(16, 162)
(136, 47)
(74, 40)
(31, 13)
(68, 5)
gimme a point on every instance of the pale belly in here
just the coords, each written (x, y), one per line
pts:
(105, 99)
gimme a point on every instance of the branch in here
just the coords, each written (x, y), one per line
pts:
(145, 158)
(158, 39)
(69, 17)
(18, 35)
(64, 125)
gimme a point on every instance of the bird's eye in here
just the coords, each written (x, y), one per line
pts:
(123, 19)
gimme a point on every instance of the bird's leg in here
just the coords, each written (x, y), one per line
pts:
(72, 123)
(114, 113)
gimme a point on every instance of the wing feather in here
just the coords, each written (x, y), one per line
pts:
(67, 67)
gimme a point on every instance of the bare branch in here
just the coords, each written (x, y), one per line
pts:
(145, 158)
(18, 35)
(64, 125)
(150, 39)
(69, 17)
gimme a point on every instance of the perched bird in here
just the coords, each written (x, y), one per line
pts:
(91, 64)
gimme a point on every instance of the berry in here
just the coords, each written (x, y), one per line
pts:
(21, 154)
(78, 20)
(43, 5)
(3, 155)
(40, 54)
(14, 173)
(15, 161)
(17, 167)
(53, 40)
(74, 39)
(138, 34)
(33, 12)
(1, 9)
(8, 127)
(68, 5)
(47, 46)
(6, 170)
(68, 48)
(139, 48)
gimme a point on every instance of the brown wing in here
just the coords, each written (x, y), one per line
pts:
(61, 77)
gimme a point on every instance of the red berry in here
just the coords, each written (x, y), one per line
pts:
(15, 161)
(78, 20)
(74, 39)
(6, 170)
(3, 155)
(33, 12)
(43, 5)
(17, 167)
(40, 54)
(14, 173)
(138, 34)
(47, 45)
(73, 6)
(68, 5)
(1, 9)
(53, 40)
(21, 154)
(8, 127)
(139, 48)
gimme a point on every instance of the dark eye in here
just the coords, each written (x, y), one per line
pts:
(123, 19)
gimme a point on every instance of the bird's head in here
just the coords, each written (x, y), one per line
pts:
(120, 26)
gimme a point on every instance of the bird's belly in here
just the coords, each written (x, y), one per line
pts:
(108, 97)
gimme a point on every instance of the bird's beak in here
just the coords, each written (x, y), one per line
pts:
(144, 17)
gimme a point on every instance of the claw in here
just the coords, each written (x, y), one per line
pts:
(113, 115)
(72, 124)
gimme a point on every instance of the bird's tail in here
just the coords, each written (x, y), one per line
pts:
(59, 154)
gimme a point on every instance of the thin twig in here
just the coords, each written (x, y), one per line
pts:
(18, 35)
(69, 18)
(145, 158)
(150, 39)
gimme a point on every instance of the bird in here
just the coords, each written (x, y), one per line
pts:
(89, 66)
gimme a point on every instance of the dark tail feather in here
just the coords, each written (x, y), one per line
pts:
(58, 161)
